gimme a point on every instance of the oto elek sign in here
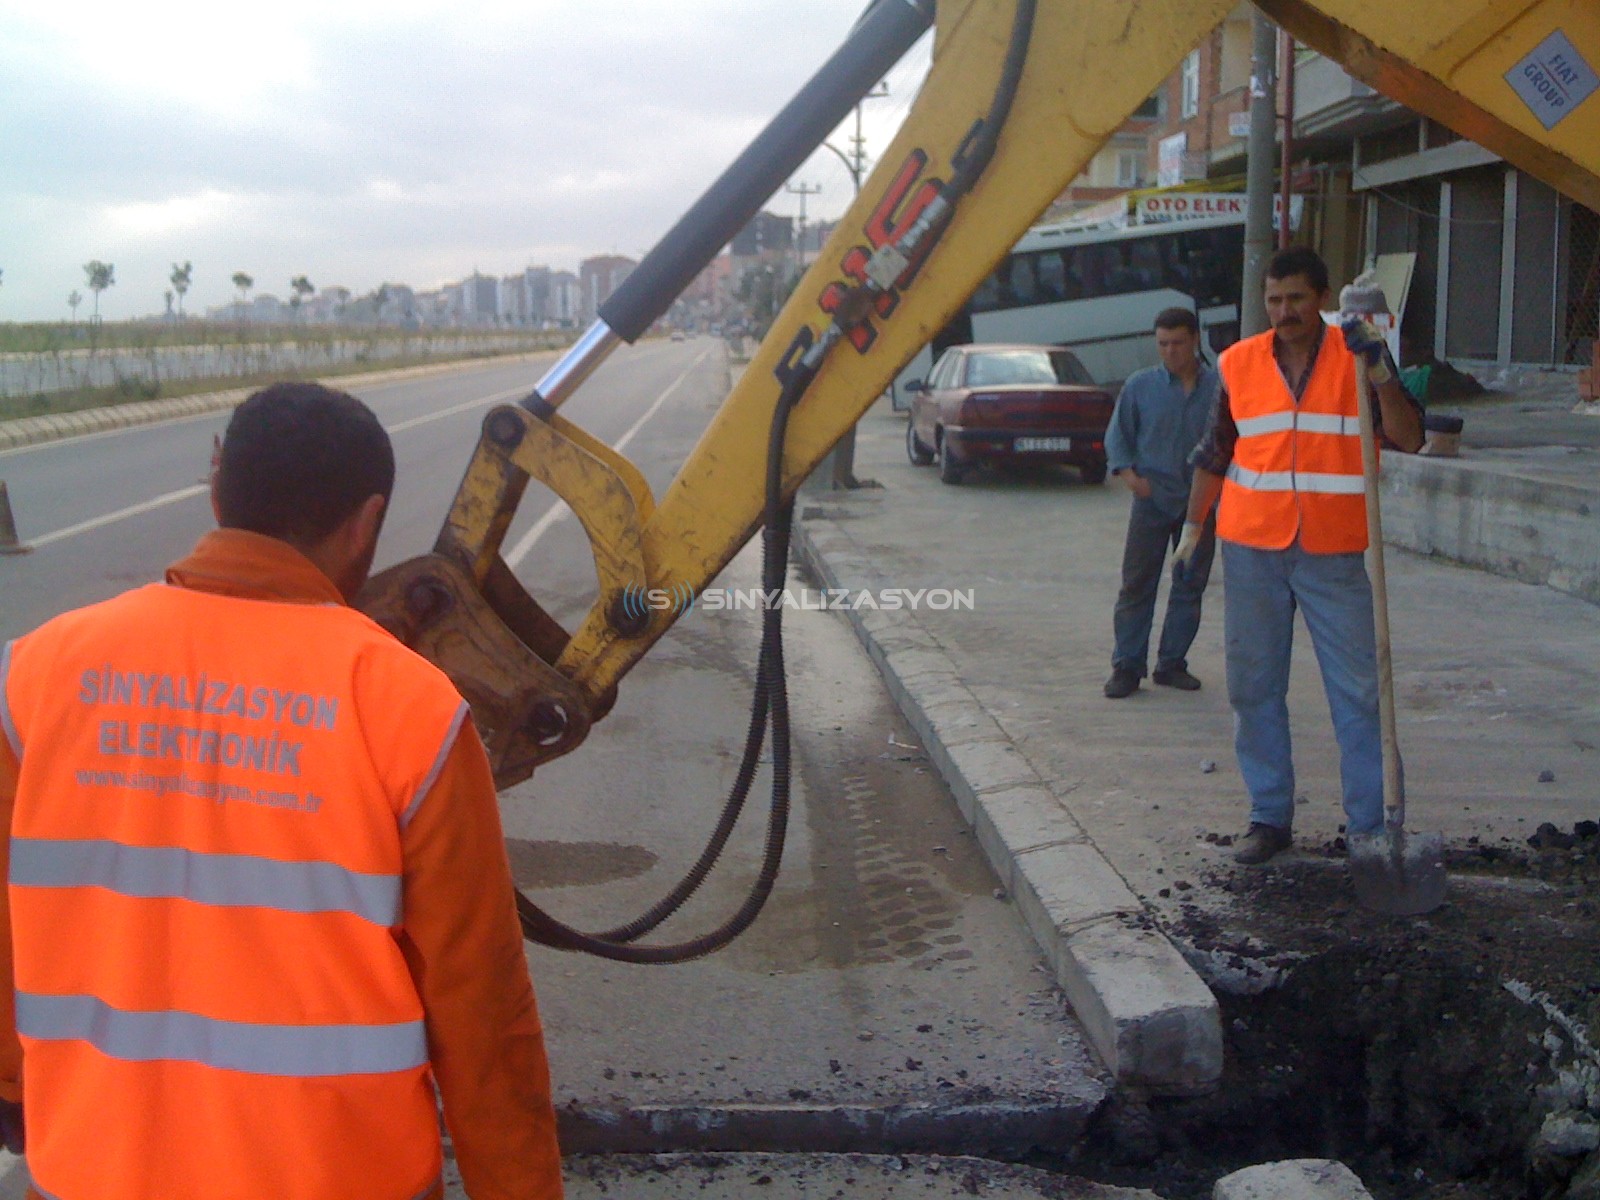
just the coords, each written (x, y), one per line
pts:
(1193, 206)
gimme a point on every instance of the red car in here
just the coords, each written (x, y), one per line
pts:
(1008, 404)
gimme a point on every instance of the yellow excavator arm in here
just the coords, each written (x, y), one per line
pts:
(1019, 97)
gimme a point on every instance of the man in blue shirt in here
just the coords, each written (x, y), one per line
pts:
(1160, 417)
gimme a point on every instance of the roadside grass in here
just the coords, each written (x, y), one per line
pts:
(53, 337)
(133, 389)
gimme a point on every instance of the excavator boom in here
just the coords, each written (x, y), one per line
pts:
(1515, 76)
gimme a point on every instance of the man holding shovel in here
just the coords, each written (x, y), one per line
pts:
(1283, 456)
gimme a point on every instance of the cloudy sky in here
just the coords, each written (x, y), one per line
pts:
(360, 142)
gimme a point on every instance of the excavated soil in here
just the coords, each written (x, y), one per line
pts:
(1440, 1056)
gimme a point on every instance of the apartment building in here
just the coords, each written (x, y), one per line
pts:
(599, 277)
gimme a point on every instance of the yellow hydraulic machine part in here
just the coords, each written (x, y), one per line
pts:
(1514, 75)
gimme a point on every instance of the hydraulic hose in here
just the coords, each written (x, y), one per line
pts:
(770, 707)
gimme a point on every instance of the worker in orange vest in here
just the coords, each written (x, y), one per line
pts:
(1283, 455)
(260, 919)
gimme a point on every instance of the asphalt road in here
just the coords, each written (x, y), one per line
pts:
(885, 972)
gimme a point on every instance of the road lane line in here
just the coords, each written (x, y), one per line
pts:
(198, 489)
(560, 511)
(201, 489)
(402, 426)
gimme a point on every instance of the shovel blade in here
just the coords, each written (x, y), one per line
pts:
(1398, 873)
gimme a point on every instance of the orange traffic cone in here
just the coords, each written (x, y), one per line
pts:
(8, 528)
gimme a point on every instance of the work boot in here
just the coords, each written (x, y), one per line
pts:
(1261, 843)
(1123, 682)
(1176, 677)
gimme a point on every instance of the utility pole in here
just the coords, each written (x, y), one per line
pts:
(1286, 170)
(802, 191)
(1258, 174)
(858, 144)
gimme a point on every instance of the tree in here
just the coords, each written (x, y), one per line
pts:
(302, 288)
(74, 298)
(244, 283)
(101, 275)
(181, 278)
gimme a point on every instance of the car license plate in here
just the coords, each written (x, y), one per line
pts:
(1042, 443)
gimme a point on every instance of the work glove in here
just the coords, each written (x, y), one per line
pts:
(1187, 544)
(1366, 343)
(11, 1127)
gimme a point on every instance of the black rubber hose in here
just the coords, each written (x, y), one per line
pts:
(772, 694)
(977, 157)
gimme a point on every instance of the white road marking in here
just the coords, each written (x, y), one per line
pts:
(516, 555)
(462, 407)
(133, 510)
(559, 511)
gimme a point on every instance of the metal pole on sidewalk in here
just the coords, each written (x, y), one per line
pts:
(1258, 174)
(1286, 169)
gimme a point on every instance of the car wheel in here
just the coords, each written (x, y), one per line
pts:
(949, 470)
(919, 454)
(1094, 472)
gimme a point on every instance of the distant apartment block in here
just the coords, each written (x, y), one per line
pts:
(599, 277)
(566, 300)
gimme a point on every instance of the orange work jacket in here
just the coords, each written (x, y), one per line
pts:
(235, 775)
(1296, 469)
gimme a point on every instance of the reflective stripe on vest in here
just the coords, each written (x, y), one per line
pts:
(1283, 422)
(434, 1187)
(300, 1051)
(7, 725)
(1296, 481)
(224, 880)
(428, 781)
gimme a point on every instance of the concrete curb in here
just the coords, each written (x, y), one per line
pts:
(31, 431)
(992, 1129)
(806, 1176)
(1538, 530)
(1149, 1016)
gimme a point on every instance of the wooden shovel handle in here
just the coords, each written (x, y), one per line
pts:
(1393, 794)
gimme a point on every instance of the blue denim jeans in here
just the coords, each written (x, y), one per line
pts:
(1262, 591)
(1151, 533)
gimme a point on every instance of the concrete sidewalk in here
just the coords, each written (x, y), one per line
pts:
(1102, 816)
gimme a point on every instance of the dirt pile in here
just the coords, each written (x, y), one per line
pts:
(1442, 1056)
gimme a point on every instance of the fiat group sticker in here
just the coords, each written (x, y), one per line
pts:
(1554, 79)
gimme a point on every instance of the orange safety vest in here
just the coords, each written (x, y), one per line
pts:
(1296, 469)
(206, 898)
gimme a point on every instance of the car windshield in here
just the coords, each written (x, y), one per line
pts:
(996, 368)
